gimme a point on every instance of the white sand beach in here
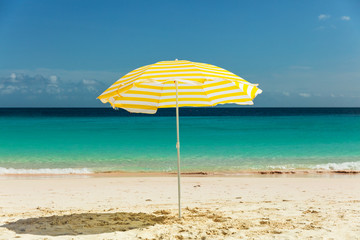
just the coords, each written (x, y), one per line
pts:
(250, 207)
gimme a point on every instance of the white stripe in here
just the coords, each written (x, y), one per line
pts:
(224, 92)
(115, 89)
(185, 102)
(164, 91)
(146, 90)
(212, 79)
(217, 71)
(106, 92)
(250, 88)
(185, 77)
(170, 84)
(169, 69)
(120, 82)
(258, 92)
(130, 78)
(210, 67)
(164, 65)
(198, 69)
(239, 103)
(135, 103)
(172, 73)
(218, 86)
(223, 75)
(140, 96)
(138, 110)
(135, 72)
(181, 91)
(161, 103)
(184, 96)
(228, 98)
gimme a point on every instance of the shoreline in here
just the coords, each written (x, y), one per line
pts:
(244, 173)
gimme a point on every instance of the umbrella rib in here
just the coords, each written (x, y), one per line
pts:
(202, 88)
(198, 70)
(161, 94)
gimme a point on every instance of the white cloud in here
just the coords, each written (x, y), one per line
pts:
(286, 94)
(345, 18)
(333, 95)
(53, 90)
(40, 85)
(91, 89)
(53, 79)
(66, 75)
(13, 78)
(305, 95)
(88, 82)
(323, 17)
(9, 89)
(48, 90)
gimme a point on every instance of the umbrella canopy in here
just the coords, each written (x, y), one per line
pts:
(176, 83)
(150, 87)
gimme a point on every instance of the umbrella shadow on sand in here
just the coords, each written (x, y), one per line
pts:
(84, 223)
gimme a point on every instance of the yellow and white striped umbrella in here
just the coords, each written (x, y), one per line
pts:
(175, 84)
(150, 87)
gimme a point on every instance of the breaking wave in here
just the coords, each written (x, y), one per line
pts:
(338, 166)
(45, 171)
(326, 166)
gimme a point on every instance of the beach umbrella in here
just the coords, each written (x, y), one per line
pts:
(178, 83)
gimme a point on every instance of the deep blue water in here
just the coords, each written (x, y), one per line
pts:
(212, 139)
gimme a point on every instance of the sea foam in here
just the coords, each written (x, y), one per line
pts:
(44, 171)
(338, 166)
(325, 166)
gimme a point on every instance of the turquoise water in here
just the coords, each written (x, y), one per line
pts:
(208, 143)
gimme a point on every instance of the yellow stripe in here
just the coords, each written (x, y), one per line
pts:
(135, 106)
(164, 70)
(216, 84)
(179, 75)
(235, 101)
(245, 87)
(141, 99)
(144, 93)
(200, 92)
(186, 105)
(184, 88)
(173, 99)
(226, 95)
(183, 93)
(253, 91)
(142, 85)
(199, 72)
(221, 89)
(183, 99)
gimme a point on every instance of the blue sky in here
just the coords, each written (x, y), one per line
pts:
(65, 53)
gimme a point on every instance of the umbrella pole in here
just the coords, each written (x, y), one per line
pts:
(178, 145)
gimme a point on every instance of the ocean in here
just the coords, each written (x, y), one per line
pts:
(84, 140)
